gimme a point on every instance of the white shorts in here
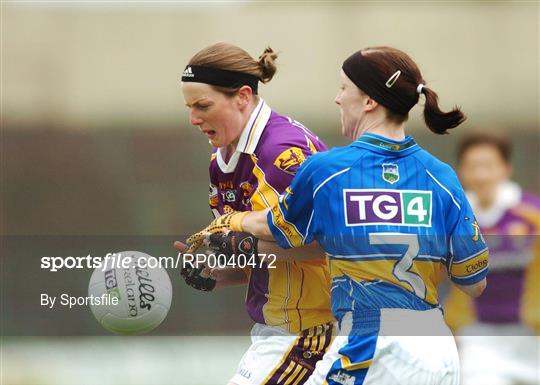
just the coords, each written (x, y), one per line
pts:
(278, 357)
(499, 355)
(388, 358)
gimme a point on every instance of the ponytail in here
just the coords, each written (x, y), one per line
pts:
(436, 120)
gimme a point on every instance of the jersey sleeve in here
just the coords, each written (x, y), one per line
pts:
(281, 161)
(275, 167)
(468, 263)
(290, 219)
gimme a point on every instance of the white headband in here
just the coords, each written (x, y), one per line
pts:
(419, 88)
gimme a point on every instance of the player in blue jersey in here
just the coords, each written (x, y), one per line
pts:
(392, 219)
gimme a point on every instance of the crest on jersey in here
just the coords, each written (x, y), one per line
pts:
(390, 172)
(213, 195)
(247, 190)
(290, 159)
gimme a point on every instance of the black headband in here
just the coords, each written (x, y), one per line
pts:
(367, 79)
(219, 77)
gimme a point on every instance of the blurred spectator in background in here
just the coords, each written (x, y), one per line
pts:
(499, 343)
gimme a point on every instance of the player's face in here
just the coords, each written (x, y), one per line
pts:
(217, 115)
(482, 169)
(351, 105)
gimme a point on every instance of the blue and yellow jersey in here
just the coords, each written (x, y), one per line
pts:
(392, 219)
(293, 295)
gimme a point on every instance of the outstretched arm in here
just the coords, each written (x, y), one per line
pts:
(238, 243)
(255, 223)
(311, 251)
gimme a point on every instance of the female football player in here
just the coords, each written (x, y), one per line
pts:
(498, 343)
(256, 153)
(391, 218)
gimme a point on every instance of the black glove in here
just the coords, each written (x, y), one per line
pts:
(195, 278)
(233, 243)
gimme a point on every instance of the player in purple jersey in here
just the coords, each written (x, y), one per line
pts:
(256, 153)
(499, 343)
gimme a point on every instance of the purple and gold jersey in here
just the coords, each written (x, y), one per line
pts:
(293, 295)
(511, 228)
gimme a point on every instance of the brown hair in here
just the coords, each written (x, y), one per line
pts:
(385, 61)
(497, 140)
(229, 57)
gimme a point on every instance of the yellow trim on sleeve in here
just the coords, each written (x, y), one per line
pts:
(288, 192)
(265, 196)
(470, 266)
(311, 146)
(294, 237)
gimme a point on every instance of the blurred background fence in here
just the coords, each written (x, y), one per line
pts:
(96, 138)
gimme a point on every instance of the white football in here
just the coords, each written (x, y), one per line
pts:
(144, 294)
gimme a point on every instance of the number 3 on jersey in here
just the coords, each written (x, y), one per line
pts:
(403, 265)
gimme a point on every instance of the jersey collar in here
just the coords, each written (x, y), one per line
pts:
(254, 128)
(249, 139)
(384, 145)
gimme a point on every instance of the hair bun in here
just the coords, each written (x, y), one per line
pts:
(267, 64)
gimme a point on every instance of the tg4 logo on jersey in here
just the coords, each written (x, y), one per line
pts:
(387, 207)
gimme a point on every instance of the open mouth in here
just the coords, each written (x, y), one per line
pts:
(210, 133)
